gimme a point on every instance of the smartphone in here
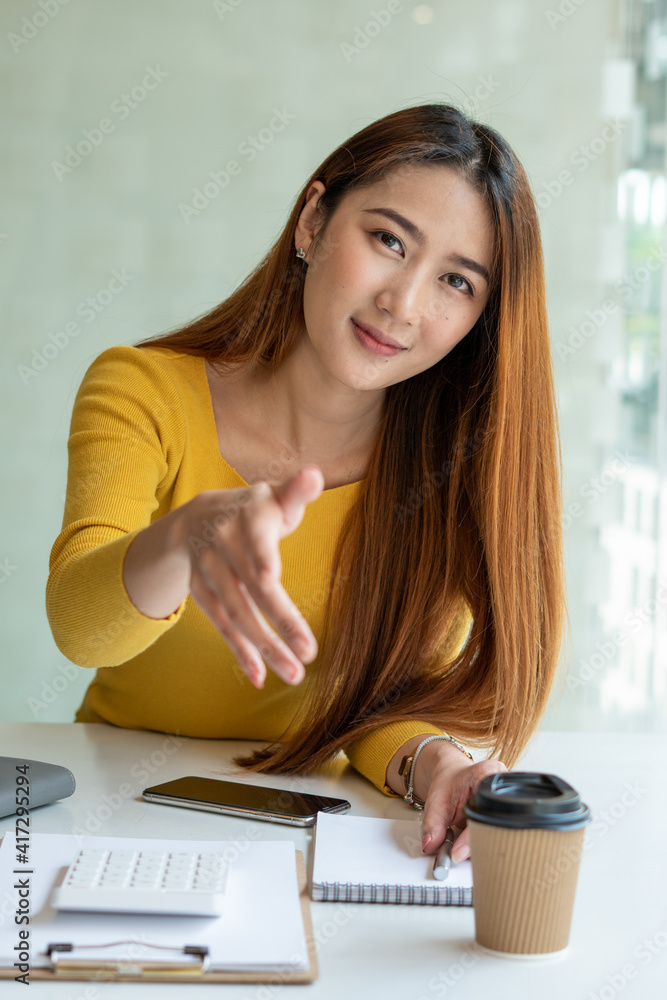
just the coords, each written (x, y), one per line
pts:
(233, 798)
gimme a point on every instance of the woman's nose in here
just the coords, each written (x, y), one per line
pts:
(406, 298)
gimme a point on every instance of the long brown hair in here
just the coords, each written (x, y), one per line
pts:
(461, 501)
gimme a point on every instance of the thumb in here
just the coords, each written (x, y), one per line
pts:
(296, 491)
(433, 829)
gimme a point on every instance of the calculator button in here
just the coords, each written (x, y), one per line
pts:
(144, 882)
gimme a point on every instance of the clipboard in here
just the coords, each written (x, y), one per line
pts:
(187, 964)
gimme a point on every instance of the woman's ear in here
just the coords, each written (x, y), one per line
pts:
(309, 220)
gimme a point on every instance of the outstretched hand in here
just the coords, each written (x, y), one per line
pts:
(235, 573)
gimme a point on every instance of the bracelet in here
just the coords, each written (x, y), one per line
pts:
(410, 761)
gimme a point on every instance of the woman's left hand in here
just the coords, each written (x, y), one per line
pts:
(445, 778)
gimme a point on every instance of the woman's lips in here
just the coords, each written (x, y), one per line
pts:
(373, 345)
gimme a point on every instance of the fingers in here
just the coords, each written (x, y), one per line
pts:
(250, 663)
(437, 818)
(273, 601)
(239, 580)
(261, 529)
(461, 848)
(256, 561)
(434, 830)
(450, 784)
(242, 627)
(447, 795)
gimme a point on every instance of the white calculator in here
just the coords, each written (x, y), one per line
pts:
(127, 881)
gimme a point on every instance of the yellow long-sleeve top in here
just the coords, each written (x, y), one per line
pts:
(143, 441)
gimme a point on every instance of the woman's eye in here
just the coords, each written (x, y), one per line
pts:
(456, 281)
(381, 232)
(463, 283)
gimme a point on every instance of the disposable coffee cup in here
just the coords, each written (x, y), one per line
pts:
(526, 835)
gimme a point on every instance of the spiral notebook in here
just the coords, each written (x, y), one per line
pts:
(361, 859)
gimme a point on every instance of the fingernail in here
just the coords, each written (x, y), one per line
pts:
(459, 853)
(426, 841)
(305, 647)
(296, 675)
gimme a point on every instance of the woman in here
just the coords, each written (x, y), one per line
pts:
(361, 444)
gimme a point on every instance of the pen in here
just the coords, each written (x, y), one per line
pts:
(443, 859)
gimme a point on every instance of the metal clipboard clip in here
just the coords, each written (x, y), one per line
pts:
(115, 968)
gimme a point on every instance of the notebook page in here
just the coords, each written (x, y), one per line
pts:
(372, 851)
(261, 929)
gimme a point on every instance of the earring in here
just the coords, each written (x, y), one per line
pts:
(301, 253)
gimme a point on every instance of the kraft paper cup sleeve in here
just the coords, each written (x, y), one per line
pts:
(524, 887)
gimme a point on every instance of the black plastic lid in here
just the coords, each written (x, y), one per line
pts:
(527, 799)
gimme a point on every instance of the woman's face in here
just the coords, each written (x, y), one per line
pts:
(420, 282)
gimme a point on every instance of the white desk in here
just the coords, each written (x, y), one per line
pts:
(618, 944)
